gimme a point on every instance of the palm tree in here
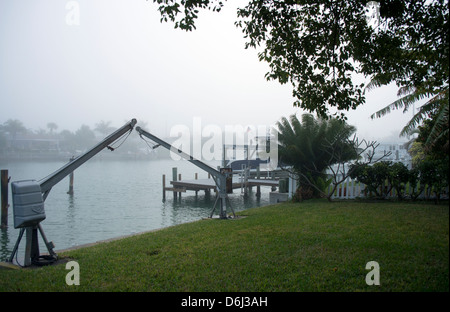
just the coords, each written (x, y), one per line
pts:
(437, 110)
(14, 126)
(52, 126)
(310, 146)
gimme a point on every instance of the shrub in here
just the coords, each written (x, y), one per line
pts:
(380, 178)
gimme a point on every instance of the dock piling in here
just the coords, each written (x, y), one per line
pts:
(258, 188)
(174, 178)
(196, 178)
(179, 179)
(164, 187)
(70, 191)
(4, 196)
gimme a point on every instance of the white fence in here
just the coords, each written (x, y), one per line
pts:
(350, 189)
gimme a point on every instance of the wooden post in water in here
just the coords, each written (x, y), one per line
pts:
(179, 179)
(70, 192)
(196, 177)
(174, 178)
(164, 187)
(258, 188)
(4, 196)
(246, 172)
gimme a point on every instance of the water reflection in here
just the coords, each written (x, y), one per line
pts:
(4, 243)
(71, 212)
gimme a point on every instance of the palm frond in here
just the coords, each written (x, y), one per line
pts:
(425, 110)
(295, 124)
(404, 102)
(373, 84)
(414, 122)
(284, 129)
(405, 90)
(440, 127)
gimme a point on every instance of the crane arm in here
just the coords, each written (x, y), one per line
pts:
(219, 177)
(48, 182)
(215, 173)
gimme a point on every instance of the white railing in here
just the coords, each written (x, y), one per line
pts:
(350, 189)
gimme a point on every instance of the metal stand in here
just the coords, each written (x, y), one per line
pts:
(223, 204)
(220, 177)
(32, 245)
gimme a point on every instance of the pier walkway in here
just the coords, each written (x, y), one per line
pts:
(209, 184)
(206, 185)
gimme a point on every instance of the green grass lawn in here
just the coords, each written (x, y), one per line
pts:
(313, 246)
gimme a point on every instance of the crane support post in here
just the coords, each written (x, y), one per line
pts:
(48, 182)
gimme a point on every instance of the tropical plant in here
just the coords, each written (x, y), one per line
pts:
(52, 126)
(374, 177)
(417, 153)
(398, 177)
(415, 186)
(434, 174)
(433, 134)
(307, 147)
(380, 178)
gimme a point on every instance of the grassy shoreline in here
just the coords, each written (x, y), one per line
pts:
(314, 246)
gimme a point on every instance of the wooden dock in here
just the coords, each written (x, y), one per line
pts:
(241, 179)
(207, 185)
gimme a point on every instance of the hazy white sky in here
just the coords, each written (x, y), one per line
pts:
(120, 63)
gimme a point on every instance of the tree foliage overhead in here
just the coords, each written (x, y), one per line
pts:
(319, 46)
(312, 45)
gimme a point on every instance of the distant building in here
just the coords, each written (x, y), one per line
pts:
(32, 142)
(397, 153)
(30, 145)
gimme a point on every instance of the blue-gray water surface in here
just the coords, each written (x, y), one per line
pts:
(113, 198)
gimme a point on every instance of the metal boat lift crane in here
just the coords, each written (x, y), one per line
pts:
(29, 196)
(220, 177)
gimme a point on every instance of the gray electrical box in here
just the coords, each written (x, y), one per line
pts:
(28, 203)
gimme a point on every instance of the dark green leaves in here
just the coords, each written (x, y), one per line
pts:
(170, 10)
(307, 44)
(319, 46)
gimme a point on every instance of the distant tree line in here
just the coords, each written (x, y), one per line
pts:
(63, 142)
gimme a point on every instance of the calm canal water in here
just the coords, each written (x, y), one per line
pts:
(113, 198)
